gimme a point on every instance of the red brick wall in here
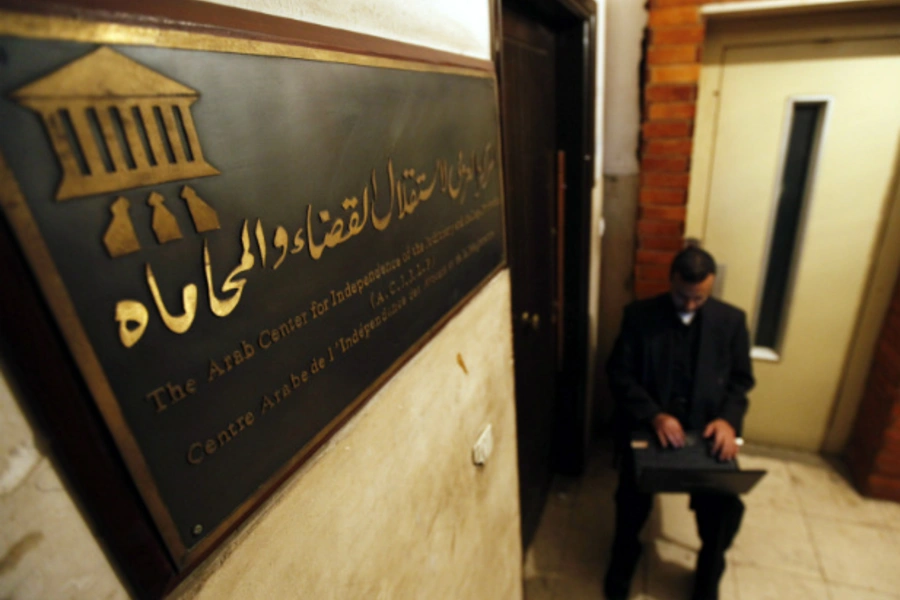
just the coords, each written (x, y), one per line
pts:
(874, 451)
(675, 35)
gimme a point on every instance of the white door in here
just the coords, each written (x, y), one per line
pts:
(799, 178)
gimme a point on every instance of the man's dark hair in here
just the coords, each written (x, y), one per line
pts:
(693, 265)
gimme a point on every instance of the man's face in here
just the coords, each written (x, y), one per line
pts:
(688, 297)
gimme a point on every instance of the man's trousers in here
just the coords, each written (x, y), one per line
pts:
(718, 520)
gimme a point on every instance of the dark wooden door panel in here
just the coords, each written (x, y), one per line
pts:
(530, 147)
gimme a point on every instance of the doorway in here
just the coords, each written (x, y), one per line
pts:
(795, 153)
(546, 72)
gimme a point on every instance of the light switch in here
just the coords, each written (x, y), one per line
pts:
(483, 447)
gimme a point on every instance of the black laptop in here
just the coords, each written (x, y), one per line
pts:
(691, 468)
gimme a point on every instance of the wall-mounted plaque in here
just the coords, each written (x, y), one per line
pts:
(239, 241)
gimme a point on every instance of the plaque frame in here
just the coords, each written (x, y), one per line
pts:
(42, 333)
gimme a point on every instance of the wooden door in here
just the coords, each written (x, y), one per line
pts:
(529, 136)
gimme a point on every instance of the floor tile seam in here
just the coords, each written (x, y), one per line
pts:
(794, 488)
(807, 525)
(828, 518)
(808, 576)
(862, 589)
(752, 562)
(755, 507)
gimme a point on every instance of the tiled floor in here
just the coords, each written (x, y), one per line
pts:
(806, 535)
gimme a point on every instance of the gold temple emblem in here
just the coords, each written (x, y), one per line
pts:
(116, 124)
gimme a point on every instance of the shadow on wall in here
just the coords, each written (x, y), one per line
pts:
(620, 210)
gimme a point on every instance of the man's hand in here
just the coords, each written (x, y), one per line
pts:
(725, 445)
(668, 430)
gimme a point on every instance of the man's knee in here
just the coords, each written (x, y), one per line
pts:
(717, 514)
(720, 504)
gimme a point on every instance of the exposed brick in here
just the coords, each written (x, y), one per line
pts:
(647, 289)
(867, 430)
(891, 445)
(662, 196)
(665, 180)
(653, 164)
(666, 129)
(663, 213)
(669, 55)
(861, 452)
(859, 467)
(673, 17)
(886, 488)
(655, 257)
(666, 243)
(675, 74)
(651, 273)
(890, 331)
(895, 303)
(658, 111)
(887, 465)
(692, 34)
(676, 147)
(671, 93)
(887, 362)
(660, 227)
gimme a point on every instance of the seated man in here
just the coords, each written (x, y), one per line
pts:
(681, 362)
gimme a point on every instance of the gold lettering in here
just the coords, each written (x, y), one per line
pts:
(261, 242)
(179, 324)
(223, 308)
(315, 250)
(426, 193)
(334, 237)
(214, 370)
(156, 397)
(281, 241)
(299, 242)
(381, 223)
(190, 453)
(131, 312)
(265, 340)
(211, 446)
(356, 225)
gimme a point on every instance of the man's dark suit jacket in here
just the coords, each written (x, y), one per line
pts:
(639, 368)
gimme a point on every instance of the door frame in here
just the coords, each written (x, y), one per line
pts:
(743, 27)
(575, 24)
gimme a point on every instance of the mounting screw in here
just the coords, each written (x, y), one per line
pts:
(198, 529)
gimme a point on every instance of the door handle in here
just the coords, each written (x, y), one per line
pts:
(532, 320)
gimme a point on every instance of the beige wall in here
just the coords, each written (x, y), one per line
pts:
(392, 507)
